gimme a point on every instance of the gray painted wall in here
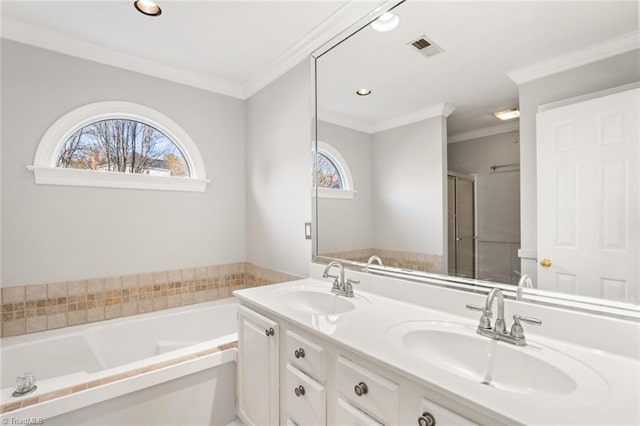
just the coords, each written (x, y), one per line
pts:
(409, 181)
(278, 164)
(608, 73)
(498, 191)
(57, 233)
(348, 224)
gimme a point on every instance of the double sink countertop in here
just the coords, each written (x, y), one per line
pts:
(547, 381)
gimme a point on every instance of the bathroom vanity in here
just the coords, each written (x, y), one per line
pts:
(306, 356)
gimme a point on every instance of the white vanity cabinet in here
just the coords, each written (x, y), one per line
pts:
(305, 399)
(313, 381)
(258, 376)
(372, 393)
(304, 395)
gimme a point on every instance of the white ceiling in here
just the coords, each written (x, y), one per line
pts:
(231, 41)
(236, 47)
(482, 41)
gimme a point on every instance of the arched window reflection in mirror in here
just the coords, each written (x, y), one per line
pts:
(330, 173)
(327, 173)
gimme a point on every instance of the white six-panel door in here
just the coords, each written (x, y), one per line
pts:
(589, 197)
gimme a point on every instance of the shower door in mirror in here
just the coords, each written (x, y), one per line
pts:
(461, 225)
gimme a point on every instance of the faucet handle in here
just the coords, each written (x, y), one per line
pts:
(517, 331)
(528, 320)
(485, 322)
(481, 309)
(350, 281)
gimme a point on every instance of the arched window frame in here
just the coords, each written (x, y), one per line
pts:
(348, 190)
(46, 172)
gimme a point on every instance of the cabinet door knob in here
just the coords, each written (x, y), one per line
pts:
(426, 419)
(361, 389)
(269, 332)
(299, 353)
(299, 391)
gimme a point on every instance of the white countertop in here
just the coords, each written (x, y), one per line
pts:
(608, 385)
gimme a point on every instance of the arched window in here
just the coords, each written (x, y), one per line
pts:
(331, 173)
(119, 145)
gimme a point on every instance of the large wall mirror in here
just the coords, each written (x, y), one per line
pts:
(482, 141)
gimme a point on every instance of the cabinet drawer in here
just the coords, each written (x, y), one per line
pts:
(308, 405)
(348, 415)
(442, 416)
(378, 396)
(306, 355)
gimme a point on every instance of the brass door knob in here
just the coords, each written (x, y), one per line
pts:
(545, 263)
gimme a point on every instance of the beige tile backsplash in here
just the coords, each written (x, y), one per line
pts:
(399, 259)
(33, 308)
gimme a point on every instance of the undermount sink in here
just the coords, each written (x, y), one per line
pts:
(534, 369)
(316, 302)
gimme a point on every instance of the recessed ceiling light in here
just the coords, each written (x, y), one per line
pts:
(363, 92)
(386, 22)
(508, 114)
(148, 7)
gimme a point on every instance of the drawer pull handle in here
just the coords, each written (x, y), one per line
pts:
(426, 419)
(299, 353)
(299, 390)
(269, 332)
(361, 389)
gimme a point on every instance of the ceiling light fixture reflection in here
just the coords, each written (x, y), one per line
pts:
(147, 7)
(386, 22)
(363, 92)
(508, 114)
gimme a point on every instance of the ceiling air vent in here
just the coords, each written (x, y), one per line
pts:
(424, 46)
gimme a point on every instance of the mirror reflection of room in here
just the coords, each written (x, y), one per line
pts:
(500, 146)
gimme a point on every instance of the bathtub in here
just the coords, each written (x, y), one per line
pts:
(175, 366)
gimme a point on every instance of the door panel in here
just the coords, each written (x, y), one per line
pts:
(589, 197)
(257, 368)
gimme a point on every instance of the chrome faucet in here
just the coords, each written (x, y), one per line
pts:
(499, 331)
(340, 287)
(371, 260)
(524, 282)
(25, 384)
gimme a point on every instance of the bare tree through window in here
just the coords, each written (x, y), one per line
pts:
(327, 174)
(126, 146)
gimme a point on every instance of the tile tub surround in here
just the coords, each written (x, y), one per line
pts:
(33, 308)
(399, 259)
(106, 380)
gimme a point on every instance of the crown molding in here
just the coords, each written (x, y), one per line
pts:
(606, 49)
(439, 110)
(486, 131)
(344, 17)
(344, 121)
(22, 32)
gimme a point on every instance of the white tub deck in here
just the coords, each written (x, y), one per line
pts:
(81, 365)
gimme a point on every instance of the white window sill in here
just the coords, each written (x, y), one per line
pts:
(340, 194)
(91, 178)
